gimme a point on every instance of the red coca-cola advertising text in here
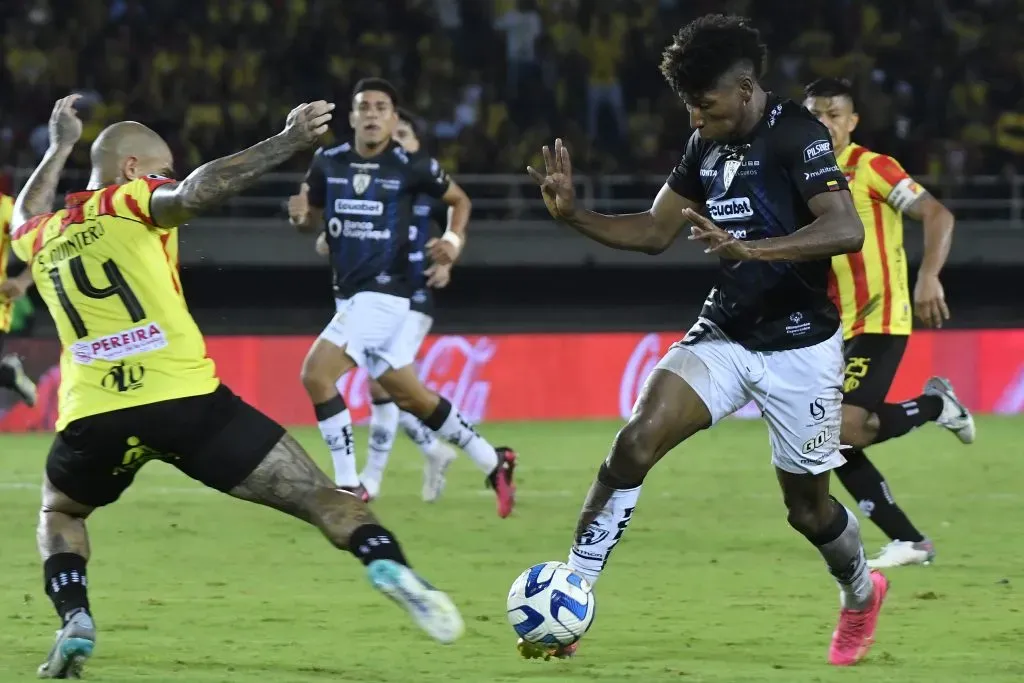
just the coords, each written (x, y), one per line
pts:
(539, 376)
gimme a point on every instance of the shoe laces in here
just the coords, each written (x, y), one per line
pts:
(891, 545)
(851, 628)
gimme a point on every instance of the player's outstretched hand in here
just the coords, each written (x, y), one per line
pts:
(298, 206)
(556, 182)
(308, 122)
(718, 241)
(12, 289)
(321, 245)
(65, 126)
(438, 276)
(930, 301)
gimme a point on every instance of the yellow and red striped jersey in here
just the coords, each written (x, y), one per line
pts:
(6, 305)
(109, 277)
(871, 287)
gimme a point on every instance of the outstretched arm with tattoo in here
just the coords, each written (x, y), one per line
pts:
(211, 184)
(37, 196)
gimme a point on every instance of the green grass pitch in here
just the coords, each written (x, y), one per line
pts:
(709, 585)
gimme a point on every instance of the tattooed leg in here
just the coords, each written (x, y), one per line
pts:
(288, 480)
(64, 547)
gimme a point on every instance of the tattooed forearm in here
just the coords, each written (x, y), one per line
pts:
(37, 196)
(288, 480)
(213, 183)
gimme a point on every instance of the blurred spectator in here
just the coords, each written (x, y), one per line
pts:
(605, 54)
(522, 27)
(940, 83)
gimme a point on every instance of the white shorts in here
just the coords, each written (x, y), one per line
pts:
(414, 330)
(369, 326)
(799, 392)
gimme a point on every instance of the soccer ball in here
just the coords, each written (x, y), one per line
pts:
(551, 604)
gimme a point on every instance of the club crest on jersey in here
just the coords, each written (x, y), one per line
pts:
(729, 172)
(360, 181)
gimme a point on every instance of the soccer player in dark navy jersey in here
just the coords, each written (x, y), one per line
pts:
(424, 277)
(758, 187)
(362, 194)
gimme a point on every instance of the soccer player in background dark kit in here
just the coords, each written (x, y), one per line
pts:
(363, 192)
(106, 267)
(873, 294)
(779, 208)
(12, 373)
(385, 417)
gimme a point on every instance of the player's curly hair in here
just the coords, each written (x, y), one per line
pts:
(831, 87)
(706, 48)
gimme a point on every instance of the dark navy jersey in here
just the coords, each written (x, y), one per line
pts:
(368, 213)
(427, 212)
(756, 188)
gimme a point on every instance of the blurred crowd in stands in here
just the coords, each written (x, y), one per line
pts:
(940, 83)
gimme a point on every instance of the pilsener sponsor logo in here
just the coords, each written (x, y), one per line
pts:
(733, 209)
(817, 149)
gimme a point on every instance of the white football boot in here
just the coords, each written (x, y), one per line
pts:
(955, 417)
(902, 553)
(74, 645)
(432, 610)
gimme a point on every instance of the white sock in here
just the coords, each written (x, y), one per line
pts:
(420, 434)
(383, 425)
(457, 431)
(336, 428)
(845, 559)
(590, 552)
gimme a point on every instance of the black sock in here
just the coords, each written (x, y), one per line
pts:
(896, 419)
(835, 528)
(437, 418)
(373, 542)
(867, 486)
(7, 377)
(606, 477)
(64, 581)
(329, 408)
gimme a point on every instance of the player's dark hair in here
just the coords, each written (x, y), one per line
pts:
(410, 118)
(379, 85)
(706, 48)
(831, 87)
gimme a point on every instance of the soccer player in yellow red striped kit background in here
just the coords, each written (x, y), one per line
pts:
(872, 292)
(12, 374)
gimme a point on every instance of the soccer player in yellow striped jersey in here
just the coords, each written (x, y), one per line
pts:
(872, 292)
(136, 384)
(12, 374)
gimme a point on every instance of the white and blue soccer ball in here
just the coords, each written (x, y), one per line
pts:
(551, 604)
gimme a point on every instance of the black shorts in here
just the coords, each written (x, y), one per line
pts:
(871, 364)
(217, 439)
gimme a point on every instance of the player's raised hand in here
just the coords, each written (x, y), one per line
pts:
(718, 241)
(65, 126)
(556, 182)
(321, 245)
(298, 206)
(438, 276)
(13, 288)
(308, 122)
(930, 301)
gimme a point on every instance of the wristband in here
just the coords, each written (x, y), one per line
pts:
(452, 239)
